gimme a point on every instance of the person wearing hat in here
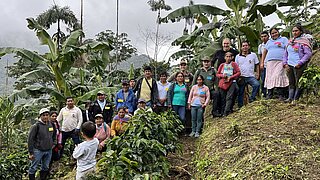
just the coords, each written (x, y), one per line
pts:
(102, 131)
(101, 106)
(209, 75)
(125, 98)
(119, 122)
(142, 106)
(220, 54)
(41, 139)
(146, 88)
(183, 67)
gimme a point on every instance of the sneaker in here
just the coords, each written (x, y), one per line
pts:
(191, 134)
(196, 135)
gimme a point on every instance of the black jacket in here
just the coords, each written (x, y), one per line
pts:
(154, 90)
(107, 111)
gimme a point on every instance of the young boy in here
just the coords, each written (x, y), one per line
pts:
(85, 152)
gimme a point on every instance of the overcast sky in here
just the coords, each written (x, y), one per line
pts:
(99, 15)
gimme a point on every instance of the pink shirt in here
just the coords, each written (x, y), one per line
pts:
(194, 93)
(102, 134)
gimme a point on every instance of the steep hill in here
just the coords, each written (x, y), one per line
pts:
(264, 140)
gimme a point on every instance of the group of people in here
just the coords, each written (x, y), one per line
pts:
(280, 64)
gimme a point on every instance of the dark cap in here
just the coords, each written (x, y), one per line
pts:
(124, 82)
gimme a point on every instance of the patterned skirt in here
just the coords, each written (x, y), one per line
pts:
(275, 75)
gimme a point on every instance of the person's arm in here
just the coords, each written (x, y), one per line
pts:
(155, 93)
(171, 78)
(219, 74)
(170, 94)
(257, 66)
(236, 71)
(285, 58)
(77, 152)
(80, 119)
(207, 96)
(60, 117)
(263, 57)
(31, 137)
(307, 53)
(113, 128)
(190, 96)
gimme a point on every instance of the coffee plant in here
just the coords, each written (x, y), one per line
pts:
(140, 152)
(310, 80)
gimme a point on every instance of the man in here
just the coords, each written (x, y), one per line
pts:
(146, 88)
(40, 142)
(220, 54)
(248, 62)
(209, 75)
(264, 36)
(125, 98)
(188, 77)
(163, 87)
(86, 116)
(132, 83)
(102, 106)
(70, 118)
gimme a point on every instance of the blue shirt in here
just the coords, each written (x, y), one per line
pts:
(276, 48)
(293, 54)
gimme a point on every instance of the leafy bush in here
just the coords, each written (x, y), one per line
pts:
(140, 152)
(310, 80)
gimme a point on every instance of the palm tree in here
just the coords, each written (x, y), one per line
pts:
(57, 14)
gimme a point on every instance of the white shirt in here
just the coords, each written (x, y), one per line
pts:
(261, 48)
(247, 63)
(163, 90)
(71, 118)
(85, 153)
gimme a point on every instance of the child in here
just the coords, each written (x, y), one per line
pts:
(142, 105)
(102, 132)
(119, 121)
(85, 152)
(40, 141)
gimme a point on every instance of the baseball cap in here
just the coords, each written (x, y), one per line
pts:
(205, 58)
(101, 92)
(98, 115)
(124, 82)
(44, 110)
(183, 61)
(141, 100)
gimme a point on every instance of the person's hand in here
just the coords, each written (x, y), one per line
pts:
(59, 146)
(189, 106)
(286, 67)
(169, 106)
(261, 67)
(31, 157)
(76, 131)
(100, 147)
(204, 106)
(298, 66)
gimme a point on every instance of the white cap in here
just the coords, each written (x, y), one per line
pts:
(43, 110)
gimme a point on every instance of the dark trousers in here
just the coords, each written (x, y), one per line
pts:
(216, 105)
(263, 78)
(66, 135)
(227, 98)
(294, 76)
(160, 109)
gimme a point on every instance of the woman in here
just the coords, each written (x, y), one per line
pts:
(119, 122)
(198, 100)
(58, 134)
(275, 73)
(297, 54)
(102, 131)
(228, 73)
(177, 96)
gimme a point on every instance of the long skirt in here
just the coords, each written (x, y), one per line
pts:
(275, 75)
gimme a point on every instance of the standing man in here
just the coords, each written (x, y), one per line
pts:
(40, 142)
(220, 54)
(102, 106)
(264, 36)
(70, 118)
(146, 88)
(248, 62)
(188, 77)
(209, 75)
(125, 98)
(132, 83)
(163, 87)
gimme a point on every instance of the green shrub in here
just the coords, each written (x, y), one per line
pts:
(140, 152)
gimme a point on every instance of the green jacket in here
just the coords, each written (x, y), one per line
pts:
(209, 77)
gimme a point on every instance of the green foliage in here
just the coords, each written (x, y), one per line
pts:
(276, 172)
(141, 151)
(310, 80)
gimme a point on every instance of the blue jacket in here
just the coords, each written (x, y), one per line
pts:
(129, 103)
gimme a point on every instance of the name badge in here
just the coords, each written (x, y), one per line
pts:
(120, 100)
(107, 107)
(209, 78)
(50, 129)
(202, 93)
(186, 80)
(167, 89)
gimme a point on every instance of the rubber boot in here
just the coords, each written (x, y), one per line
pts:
(297, 94)
(43, 175)
(269, 94)
(32, 176)
(291, 96)
(282, 93)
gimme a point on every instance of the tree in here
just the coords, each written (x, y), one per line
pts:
(158, 6)
(125, 48)
(57, 14)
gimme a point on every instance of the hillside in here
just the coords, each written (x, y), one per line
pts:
(264, 140)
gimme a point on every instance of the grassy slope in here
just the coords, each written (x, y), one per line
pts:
(264, 140)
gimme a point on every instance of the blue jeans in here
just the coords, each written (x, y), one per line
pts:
(43, 157)
(196, 116)
(181, 112)
(263, 78)
(254, 83)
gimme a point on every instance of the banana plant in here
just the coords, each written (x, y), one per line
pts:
(56, 63)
